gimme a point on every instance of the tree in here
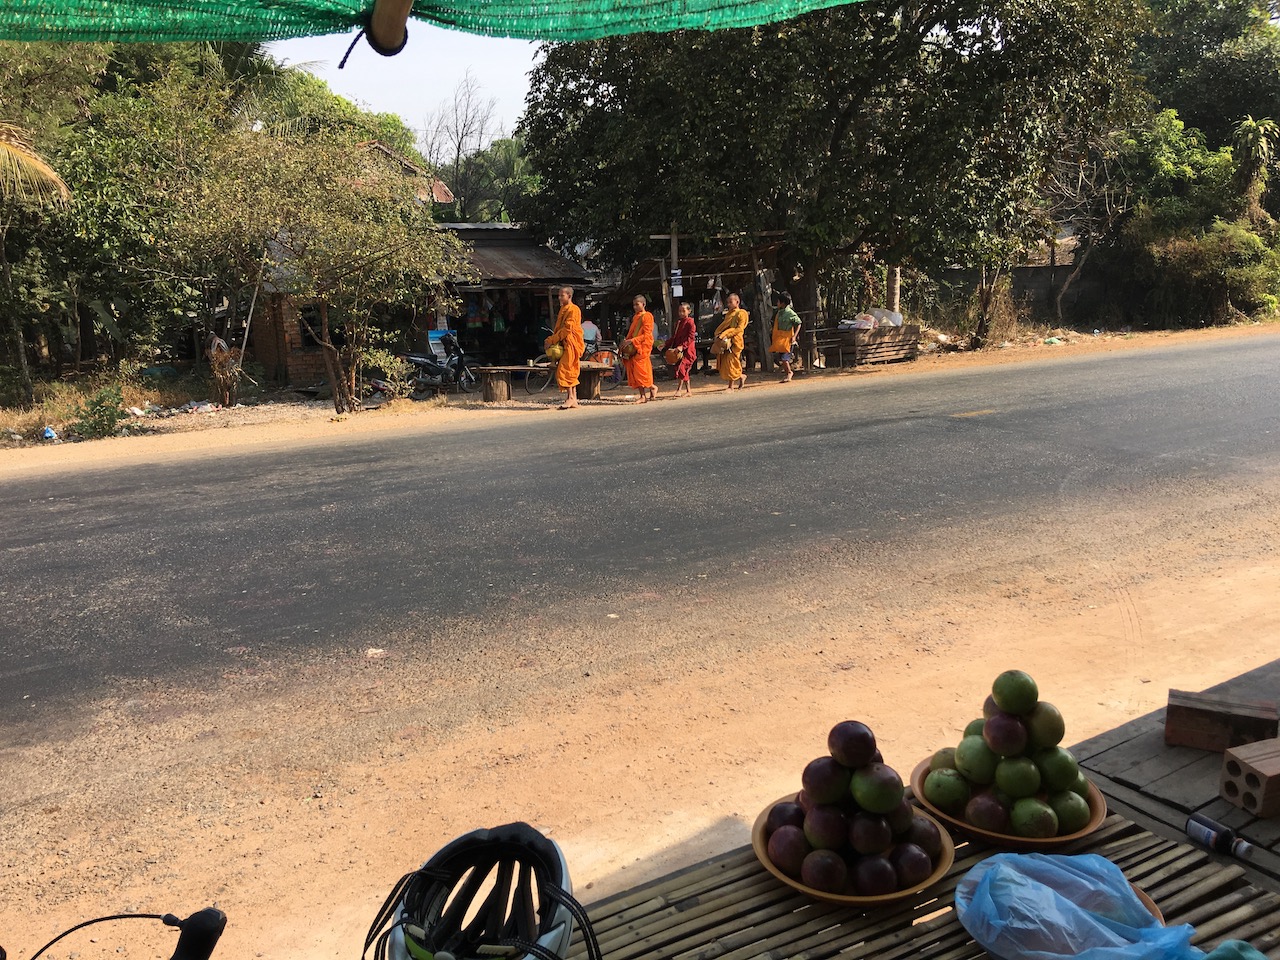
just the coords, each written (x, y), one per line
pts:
(920, 130)
(1254, 151)
(26, 180)
(455, 136)
(1213, 61)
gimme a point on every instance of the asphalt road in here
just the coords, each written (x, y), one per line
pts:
(155, 570)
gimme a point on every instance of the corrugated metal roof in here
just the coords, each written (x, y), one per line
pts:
(504, 254)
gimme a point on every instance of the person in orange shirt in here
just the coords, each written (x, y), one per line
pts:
(568, 333)
(636, 357)
(732, 327)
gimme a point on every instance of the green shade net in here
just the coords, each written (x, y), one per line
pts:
(253, 20)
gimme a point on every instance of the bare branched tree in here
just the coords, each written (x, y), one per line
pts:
(453, 136)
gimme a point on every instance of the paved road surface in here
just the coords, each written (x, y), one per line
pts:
(155, 570)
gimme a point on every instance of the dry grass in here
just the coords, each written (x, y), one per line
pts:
(58, 402)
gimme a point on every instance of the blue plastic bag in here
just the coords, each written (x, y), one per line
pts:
(1035, 906)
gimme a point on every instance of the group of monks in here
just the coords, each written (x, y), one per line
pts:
(679, 350)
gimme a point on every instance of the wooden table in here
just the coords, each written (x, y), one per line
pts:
(495, 381)
(1159, 785)
(731, 908)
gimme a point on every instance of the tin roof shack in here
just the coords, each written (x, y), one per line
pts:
(511, 307)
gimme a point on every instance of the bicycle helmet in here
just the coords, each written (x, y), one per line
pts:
(501, 892)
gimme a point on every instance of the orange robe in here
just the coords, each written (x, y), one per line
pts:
(640, 366)
(729, 363)
(568, 333)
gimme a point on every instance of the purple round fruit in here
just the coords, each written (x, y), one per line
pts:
(925, 834)
(805, 801)
(852, 743)
(825, 780)
(869, 833)
(911, 864)
(787, 849)
(781, 814)
(989, 706)
(825, 870)
(1005, 734)
(900, 817)
(985, 811)
(874, 876)
(826, 828)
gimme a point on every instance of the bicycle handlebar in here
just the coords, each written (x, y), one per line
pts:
(200, 933)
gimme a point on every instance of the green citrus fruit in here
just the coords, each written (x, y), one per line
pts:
(1058, 768)
(1033, 818)
(975, 726)
(1045, 726)
(1072, 810)
(947, 790)
(1015, 692)
(944, 759)
(976, 760)
(1018, 777)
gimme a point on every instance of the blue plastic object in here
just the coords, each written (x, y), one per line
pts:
(1036, 906)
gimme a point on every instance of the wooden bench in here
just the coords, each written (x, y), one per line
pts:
(495, 382)
(881, 345)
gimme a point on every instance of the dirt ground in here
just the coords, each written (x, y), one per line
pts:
(296, 794)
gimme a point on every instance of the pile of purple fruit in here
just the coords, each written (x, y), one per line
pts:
(851, 831)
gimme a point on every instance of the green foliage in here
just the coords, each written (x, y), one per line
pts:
(922, 130)
(393, 371)
(1214, 61)
(101, 414)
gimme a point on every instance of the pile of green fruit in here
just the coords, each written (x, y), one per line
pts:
(1008, 774)
(851, 831)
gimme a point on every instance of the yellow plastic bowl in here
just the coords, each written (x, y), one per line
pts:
(555, 351)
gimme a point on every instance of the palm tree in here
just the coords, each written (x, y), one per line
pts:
(25, 180)
(24, 175)
(1254, 146)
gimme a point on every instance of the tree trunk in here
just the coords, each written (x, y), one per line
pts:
(1071, 278)
(27, 394)
(893, 290)
(986, 293)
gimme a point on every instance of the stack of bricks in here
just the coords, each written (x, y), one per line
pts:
(1251, 777)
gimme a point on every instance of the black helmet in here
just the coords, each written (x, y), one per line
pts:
(503, 891)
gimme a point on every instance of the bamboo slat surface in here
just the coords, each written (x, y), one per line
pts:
(731, 908)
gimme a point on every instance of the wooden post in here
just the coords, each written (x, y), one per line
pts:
(386, 33)
(763, 290)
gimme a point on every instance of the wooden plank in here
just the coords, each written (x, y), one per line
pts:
(1087, 749)
(1211, 721)
(1238, 909)
(1210, 886)
(1162, 761)
(1125, 756)
(1191, 786)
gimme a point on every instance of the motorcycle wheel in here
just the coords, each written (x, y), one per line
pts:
(614, 376)
(539, 375)
(467, 380)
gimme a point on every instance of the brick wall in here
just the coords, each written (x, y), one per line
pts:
(278, 346)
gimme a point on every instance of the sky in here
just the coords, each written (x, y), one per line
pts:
(416, 81)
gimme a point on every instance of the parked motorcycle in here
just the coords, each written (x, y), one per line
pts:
(431, 375)
(198, 934)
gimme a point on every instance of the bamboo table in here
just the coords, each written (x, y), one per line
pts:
(731, 908)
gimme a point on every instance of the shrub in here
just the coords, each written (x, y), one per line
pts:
(101, 414)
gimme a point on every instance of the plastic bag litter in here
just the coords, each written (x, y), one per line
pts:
(1035, 906)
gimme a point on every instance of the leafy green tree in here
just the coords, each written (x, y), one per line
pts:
(1213, 61)
(26, 181)
(921, 131)
(1254, 152)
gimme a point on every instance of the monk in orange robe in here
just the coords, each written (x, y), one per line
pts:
(568, 333)
(732, 327)
(639, 365)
